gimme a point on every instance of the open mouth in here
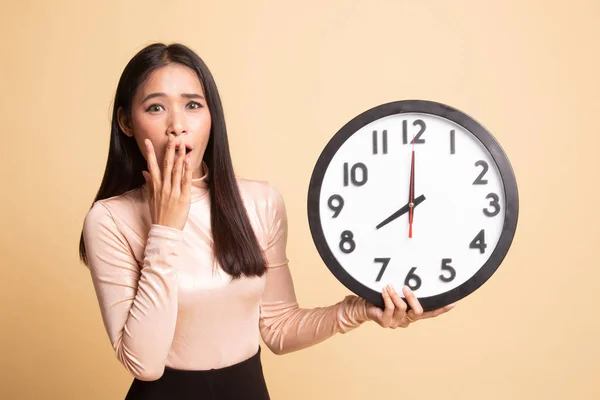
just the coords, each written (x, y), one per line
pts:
(187, 149)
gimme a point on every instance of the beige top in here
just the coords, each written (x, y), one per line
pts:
(163, 303)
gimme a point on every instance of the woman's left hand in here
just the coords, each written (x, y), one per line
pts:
(395, 315)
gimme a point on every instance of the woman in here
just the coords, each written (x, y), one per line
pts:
(189, 262)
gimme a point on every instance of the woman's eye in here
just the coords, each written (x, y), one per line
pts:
(194, 104)
(154, 107)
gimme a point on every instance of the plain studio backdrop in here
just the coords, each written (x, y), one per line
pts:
(290, 76)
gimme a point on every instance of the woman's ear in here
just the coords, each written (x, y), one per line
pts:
(124, 122)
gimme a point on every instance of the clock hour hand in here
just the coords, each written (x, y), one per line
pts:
(401, 212)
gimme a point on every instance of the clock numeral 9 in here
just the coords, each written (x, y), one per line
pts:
(493, 203)
(479, 180)
(447, 267)
(364, 176)
(412, 277)
(478, 242)
(417, 138)
(335, 203)
(347, 244)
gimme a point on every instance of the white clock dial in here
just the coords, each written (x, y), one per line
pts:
(465, 203)
(455, 229)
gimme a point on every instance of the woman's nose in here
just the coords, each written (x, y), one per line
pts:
(177, 124)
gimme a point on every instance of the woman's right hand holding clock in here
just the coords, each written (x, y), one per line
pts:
(395, 314)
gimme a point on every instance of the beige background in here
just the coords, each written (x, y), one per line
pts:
(290, 76)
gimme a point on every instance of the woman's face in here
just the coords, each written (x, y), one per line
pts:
(170, 102)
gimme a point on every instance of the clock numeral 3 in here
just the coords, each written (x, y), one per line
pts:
(447, 267)
(478, 242)
(351, 174)
(384, 142)
(337, 206)
(417, 139)
(493, 203)
(385, 262)
(412, 277)
(479, 180)
(347, 244)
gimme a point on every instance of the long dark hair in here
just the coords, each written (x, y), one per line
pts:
(236, 247)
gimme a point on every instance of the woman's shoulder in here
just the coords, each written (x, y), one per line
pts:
(128, 201)
(261, 191)
(263, 201)
(125, 208)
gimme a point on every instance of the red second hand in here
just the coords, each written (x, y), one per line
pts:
(412, 189)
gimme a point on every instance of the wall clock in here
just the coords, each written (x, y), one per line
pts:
(416, 193)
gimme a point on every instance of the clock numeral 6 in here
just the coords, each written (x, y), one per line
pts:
(352, 175)
(335, 203)
(478, 242)
(347, 244)
(412, 277)
(447, 267)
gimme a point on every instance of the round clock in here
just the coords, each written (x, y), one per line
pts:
(413, 193)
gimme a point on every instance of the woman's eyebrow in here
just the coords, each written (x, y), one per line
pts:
(186, 95)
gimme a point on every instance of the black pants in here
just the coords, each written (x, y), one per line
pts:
(241, 381)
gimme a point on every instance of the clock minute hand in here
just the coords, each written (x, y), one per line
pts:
(401, 211)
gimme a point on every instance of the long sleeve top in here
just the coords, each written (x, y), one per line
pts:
(165, 301)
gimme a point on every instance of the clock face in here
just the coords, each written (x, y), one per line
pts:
(440, 161)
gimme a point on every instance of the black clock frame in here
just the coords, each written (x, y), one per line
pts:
(436, 109)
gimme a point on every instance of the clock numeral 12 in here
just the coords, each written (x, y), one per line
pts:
(417, 138)
(452, 142)
(384, 142)
(350, 174)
